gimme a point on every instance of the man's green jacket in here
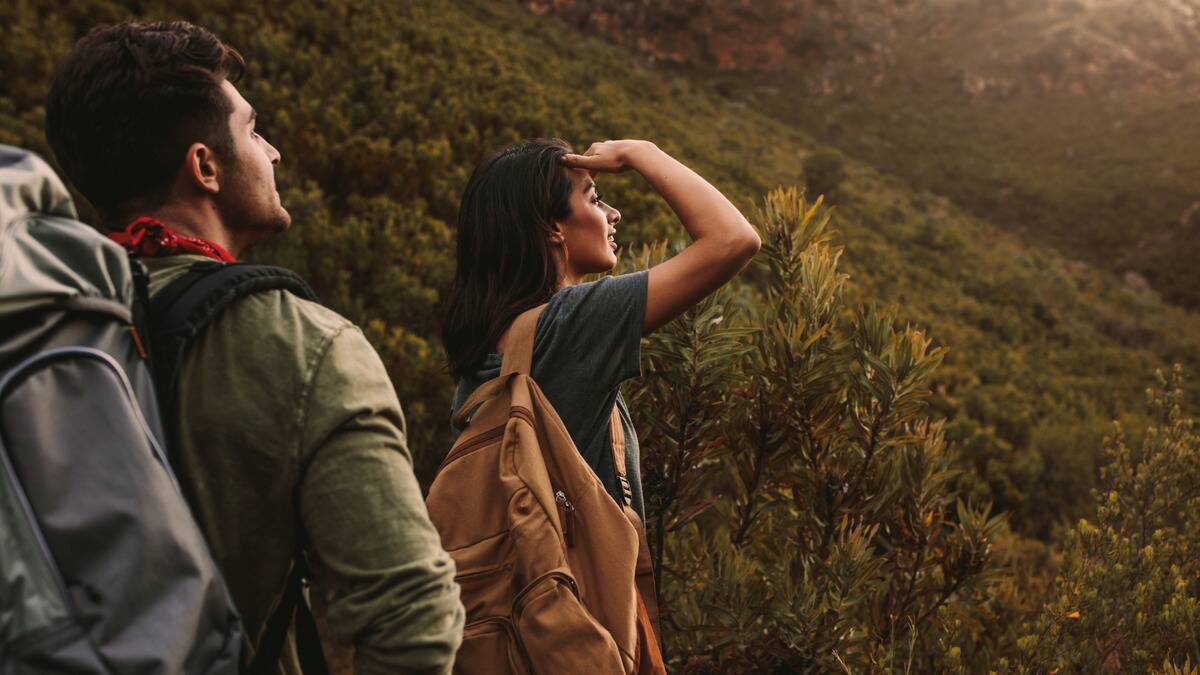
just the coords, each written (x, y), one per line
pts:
(289, 430)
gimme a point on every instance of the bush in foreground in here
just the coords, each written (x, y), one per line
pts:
(799, 494)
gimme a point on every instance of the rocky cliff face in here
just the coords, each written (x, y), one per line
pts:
(1077, 47)
(991, 47)
(737, 34)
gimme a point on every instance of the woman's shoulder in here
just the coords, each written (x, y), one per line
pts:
(593, 330)
(598, 298)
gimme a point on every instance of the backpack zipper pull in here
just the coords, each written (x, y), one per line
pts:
(137, 342)
(566, 514)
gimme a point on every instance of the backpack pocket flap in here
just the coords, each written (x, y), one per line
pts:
(464, 518)
(558, 634)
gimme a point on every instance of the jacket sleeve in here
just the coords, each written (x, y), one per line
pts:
(392, 593)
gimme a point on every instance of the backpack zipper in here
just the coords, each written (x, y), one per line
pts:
(566, 514)
(474, 444)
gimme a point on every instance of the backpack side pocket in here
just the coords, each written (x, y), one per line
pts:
(549, 616)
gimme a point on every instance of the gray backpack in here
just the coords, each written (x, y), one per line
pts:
(102, 568)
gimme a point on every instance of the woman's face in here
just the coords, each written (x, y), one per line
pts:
(587, 237)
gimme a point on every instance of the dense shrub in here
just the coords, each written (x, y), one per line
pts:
(800, 494)
(1128, 593)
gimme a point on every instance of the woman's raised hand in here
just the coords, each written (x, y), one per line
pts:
(609, 156)
(722, 241)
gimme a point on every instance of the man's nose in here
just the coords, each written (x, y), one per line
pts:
(272, 153)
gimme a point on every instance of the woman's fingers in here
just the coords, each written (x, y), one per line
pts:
(608, 156)
(589, 162)
(578, 161)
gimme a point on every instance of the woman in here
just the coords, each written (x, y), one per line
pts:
(531, 227)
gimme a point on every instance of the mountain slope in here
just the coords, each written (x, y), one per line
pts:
(381, 111)
(1075, 123)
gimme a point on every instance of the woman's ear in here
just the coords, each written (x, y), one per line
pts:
(200, 168)
(556, 233)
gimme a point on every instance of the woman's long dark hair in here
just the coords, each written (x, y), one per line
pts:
(506, 261)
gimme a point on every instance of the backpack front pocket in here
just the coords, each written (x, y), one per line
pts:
(488, 646)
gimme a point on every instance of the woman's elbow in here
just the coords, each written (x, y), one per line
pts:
(733, 248)
(747, 244)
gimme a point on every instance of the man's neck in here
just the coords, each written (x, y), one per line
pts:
(200, 223)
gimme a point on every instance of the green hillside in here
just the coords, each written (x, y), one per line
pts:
(381, 109)
(381, 112)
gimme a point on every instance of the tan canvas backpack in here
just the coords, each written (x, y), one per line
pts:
(546, 560)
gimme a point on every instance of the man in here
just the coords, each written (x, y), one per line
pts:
(288, 431)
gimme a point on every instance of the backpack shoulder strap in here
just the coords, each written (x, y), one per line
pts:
(188, 304)
(518, 357)
(616, 435)
(649, 630)
(179, 313)
(292, 610)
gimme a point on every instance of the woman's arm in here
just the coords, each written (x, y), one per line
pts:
(722, 240)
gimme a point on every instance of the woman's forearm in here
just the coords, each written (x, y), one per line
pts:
(722, 240)
(704, 212)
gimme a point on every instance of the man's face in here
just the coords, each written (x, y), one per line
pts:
(248, 201)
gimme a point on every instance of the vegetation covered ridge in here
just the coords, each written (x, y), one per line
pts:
(381, 110)
(1072, 122)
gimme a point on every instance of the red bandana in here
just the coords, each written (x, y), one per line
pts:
(149, 238)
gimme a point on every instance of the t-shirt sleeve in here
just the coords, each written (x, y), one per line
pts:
(599, 324)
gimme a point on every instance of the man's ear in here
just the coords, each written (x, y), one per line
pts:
(200, 169)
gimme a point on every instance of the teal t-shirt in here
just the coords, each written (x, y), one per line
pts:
(587, 342)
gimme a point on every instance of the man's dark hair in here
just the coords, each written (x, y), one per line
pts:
(127, 103)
